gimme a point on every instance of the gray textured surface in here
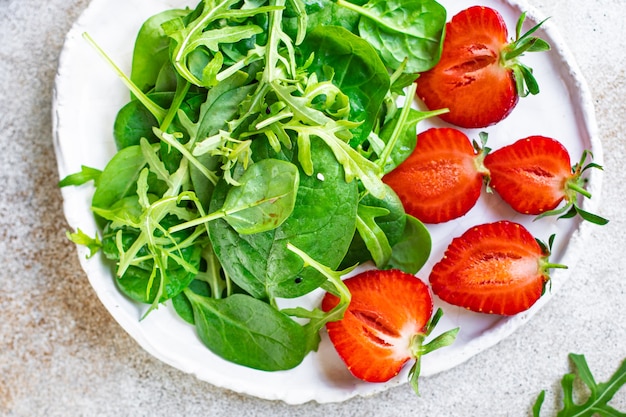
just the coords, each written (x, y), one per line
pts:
(61, 354)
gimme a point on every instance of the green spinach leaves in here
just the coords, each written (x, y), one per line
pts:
(249, 164)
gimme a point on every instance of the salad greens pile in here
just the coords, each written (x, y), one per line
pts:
(249, 163)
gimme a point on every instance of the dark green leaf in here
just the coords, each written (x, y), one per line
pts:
(119, 178)
(413, 250)
(590, 217)
(249, 332)
(529, 79)
(600, 395)
(325, 211)
(151, 49)
(538, 403)
(403, 29)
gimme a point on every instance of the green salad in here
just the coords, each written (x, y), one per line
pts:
(249, 164)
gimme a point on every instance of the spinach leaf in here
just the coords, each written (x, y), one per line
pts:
(325, 211)
(181, 302)
(119, 177)
(151, 51)
(249, 332)
(412, 251)
(354, 67)
(322, 13)
(264, 198)
(403, 29)
(220, 106)
(134, 121)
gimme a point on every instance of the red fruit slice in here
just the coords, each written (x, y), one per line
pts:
(479, 78)
(384, 325)
(495, 268)
(442, 179)
(531, 174)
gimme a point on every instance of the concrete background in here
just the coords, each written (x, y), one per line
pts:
(61, 353)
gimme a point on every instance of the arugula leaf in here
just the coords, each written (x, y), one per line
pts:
(601, 393)
(335, 285)
(356, 69)
(372, 234)
(85, 175)
(81, 238)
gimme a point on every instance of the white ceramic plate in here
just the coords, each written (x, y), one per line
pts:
(88, 95)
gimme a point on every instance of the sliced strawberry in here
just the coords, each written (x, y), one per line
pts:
(442, 179)
(385, 325)
(495, 268)
(479, 77)
(534, 175)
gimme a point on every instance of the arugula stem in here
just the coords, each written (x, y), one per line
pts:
(335, 279)
(404, 114)
(198, 221)
(302, 19)
(181, 91)
(157, 111)
(171, 140)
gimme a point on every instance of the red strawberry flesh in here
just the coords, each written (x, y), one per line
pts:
(531, 174)
(388, 308)
(440, 180)
(494, 268)
(470, 79)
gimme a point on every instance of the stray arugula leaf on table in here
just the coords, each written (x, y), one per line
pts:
(599, 396)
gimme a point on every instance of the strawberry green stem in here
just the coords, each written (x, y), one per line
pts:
(575, 186)
(525, 81)
(546, 265)
(418, 348)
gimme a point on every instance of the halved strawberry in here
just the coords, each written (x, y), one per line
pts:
(534, 175)
(385, 325)
(495, 268)
(479, 77)
(442, 179)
